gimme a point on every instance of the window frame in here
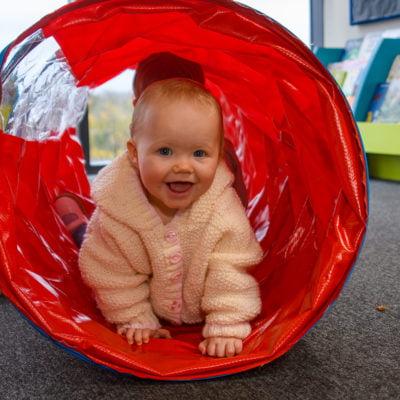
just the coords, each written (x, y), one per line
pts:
(83, 134)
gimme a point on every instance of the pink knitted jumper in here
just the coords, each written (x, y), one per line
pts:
(190, 270)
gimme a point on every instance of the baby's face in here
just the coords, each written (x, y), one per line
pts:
(176, 151)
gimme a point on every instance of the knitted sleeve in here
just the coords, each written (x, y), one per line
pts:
(231, 298)
(117, 274)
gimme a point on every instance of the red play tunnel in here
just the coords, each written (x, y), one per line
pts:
(298, 145)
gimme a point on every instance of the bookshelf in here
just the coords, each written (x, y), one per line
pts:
(381, 141)
(328, 55)
(375, 72)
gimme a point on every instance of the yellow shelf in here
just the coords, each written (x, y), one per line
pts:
(382, 145)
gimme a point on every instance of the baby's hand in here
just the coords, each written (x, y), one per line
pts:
(140, 336)
(221, 346)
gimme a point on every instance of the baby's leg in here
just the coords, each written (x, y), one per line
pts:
(72, 214)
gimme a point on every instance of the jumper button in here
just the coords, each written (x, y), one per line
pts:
(171, 236)
(175, 258)
(175, 306)
(177, 277)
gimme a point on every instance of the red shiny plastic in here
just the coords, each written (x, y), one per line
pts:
(301, 156)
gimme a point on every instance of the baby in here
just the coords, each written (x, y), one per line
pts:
(155, 67)
(169, 239)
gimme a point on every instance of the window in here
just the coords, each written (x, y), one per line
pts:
(104, 129)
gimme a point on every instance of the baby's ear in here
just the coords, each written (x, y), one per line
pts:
(132, 152)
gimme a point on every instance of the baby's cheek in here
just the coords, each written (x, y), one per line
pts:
(206, 179)
(151, 175)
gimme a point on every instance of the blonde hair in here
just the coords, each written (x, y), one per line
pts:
(176, 89)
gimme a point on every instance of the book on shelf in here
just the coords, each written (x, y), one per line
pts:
(353, 76)
(346, 73)
(377, 100)
(369, 45)
(339, 75)
(352, 49)
(385, 104)
(349, 71)
(394, 72)
(391, 33)
(338, 71)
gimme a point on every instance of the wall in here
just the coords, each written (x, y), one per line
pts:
(337, 28)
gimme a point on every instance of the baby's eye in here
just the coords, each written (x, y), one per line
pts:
(199, 153)
(165, 151)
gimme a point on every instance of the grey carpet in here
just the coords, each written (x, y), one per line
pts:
(352, 353)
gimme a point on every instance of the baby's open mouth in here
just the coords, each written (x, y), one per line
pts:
(179, 187)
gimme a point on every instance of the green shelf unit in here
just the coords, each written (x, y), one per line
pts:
(382, 145)
(374, 73)
(381, 141)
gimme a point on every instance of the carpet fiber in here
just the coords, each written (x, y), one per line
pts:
(352, 353)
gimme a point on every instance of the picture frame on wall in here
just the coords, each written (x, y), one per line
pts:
(365, 11)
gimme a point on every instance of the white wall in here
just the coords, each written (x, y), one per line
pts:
(337, 28)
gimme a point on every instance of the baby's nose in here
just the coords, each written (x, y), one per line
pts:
(182, 166)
